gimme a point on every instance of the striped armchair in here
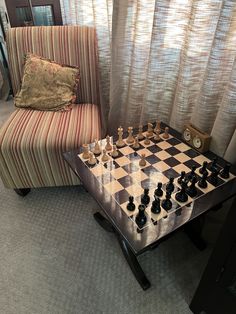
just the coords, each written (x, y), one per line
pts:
(32, 142)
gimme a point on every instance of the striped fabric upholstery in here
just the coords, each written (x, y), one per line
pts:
(32, 142)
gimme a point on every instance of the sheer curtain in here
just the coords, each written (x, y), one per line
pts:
(175, 60)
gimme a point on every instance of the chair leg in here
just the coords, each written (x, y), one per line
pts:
(22, 192)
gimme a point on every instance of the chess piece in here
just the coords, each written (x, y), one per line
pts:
(192, 173)
(105, 157)
(170, 185)
(92, 160)
(202, 183)
(120, 142)
(108, 144)
(146, 141)
(156, 208)
(140, 133)
(145, 198)
(97, 149)
(150, 130)
(225, 172)
(114, 153)
(213, 178)
(142, 161)
(166, 133)
(166, 203)
(157, 136)
(213, 164)
(204, 167)
(141, 217)
(85, 154)
(131, 205)
(181, 178)
(182, 196)
(136, 143)
(158, 192)
(158, 127)
(130, 138)
(191, 190)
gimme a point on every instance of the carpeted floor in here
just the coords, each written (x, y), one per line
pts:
(54, 258)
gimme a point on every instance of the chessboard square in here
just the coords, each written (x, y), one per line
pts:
(171, 173)
(190, 163)
(113, 187)
(192, 153)
(126, 150)
(126, 181)
(173, 141)
(135, 189)
(139, 176)
(146, 145)
(159, 177)
(140, 147)
(122, 161)
(148, 184)
(98, 170)
(150, 170)
(121, 196)
(152, 159)
(161, 166)
(162, 155)
(164, 145)
(172, 151)
(181, 157)
(144, 151)
(133, 156)
(118, 156)
(181, 167)
(118, 173)
(105, 178)
(200, 159)
(182, 147)
(154, 149)
(130, 168)
(172, 162)
(110, 165)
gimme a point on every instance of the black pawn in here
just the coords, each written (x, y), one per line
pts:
(225, 172)
(213, 179)
(182, 196)
(145, 198)
(166, 203)
(158, 192)
(202, 183)
(131, 205)
(213, 165)
(170, 185)
(192, 173)
(141, 217)
(204, 167)
(181, 178)
(156, 208)
(191, 190)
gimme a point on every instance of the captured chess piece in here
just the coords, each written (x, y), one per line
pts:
(114, 152)
(120, 142)
(181, 178)
(145, 198)
(131, 205)
(156, 206)
(146, 141)
(97, 149)
(105, 157)
(140, 133)
(92, 160)
(85, 154)
(166, 133)
(204, 167)
(150, 130)
(158, 192)
(141, 216)
(191, 190)
(202, 183)
(182, 196)
(136, 143)
(130, 138)
(213, 178)
(142, 162)
(213, 165)
(170, 185)
(224, 173)
(108, 144)
(166, 203)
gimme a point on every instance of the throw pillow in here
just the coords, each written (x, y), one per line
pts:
(47, 85)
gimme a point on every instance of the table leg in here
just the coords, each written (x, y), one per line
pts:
(128, 253)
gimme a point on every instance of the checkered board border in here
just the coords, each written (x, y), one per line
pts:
(122, 176)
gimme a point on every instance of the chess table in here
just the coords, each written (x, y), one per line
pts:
(111, 183)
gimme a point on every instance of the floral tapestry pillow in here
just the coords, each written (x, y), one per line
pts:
(47, 85)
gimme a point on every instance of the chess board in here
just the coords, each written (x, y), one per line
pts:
(122, 176)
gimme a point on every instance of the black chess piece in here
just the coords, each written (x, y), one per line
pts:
(182, 196)
(158, 192)
(156, 208)
(225, 172)
(191, 190)
(141, 216)
(202, 183)
(181, 178)
(145, 198)
(213, 179)
(192, 173)
(204, 167)
(170, 185)
(213, 165)
(166, 203)
(131, 205)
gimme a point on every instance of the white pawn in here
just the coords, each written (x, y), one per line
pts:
(114, 153)
(150, 130)
(158, 127)
(166, 133)
(105, 157)
(130, 138)
(146, 141)
(108, 144)
(97, 148)
(92, 160)
(136, 143)
(142, 161)
(157, 136)
(85, 154)
(140, 133)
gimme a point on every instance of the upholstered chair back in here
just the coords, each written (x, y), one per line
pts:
(69, 45)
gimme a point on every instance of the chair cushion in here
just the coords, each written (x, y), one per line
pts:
(32, 143)
(47, 85)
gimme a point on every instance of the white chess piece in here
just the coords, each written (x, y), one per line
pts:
(158, 127)
(105, 157)
(150, 130)
(140, 133)
(108, 144)
(166, 133)
(157, 136)
(130, 138)
(92, 160)
(146, 141)
(85, 154)
(142, 161)
(97, 148)
(120, 142)
(136, 143)
(114, 153)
